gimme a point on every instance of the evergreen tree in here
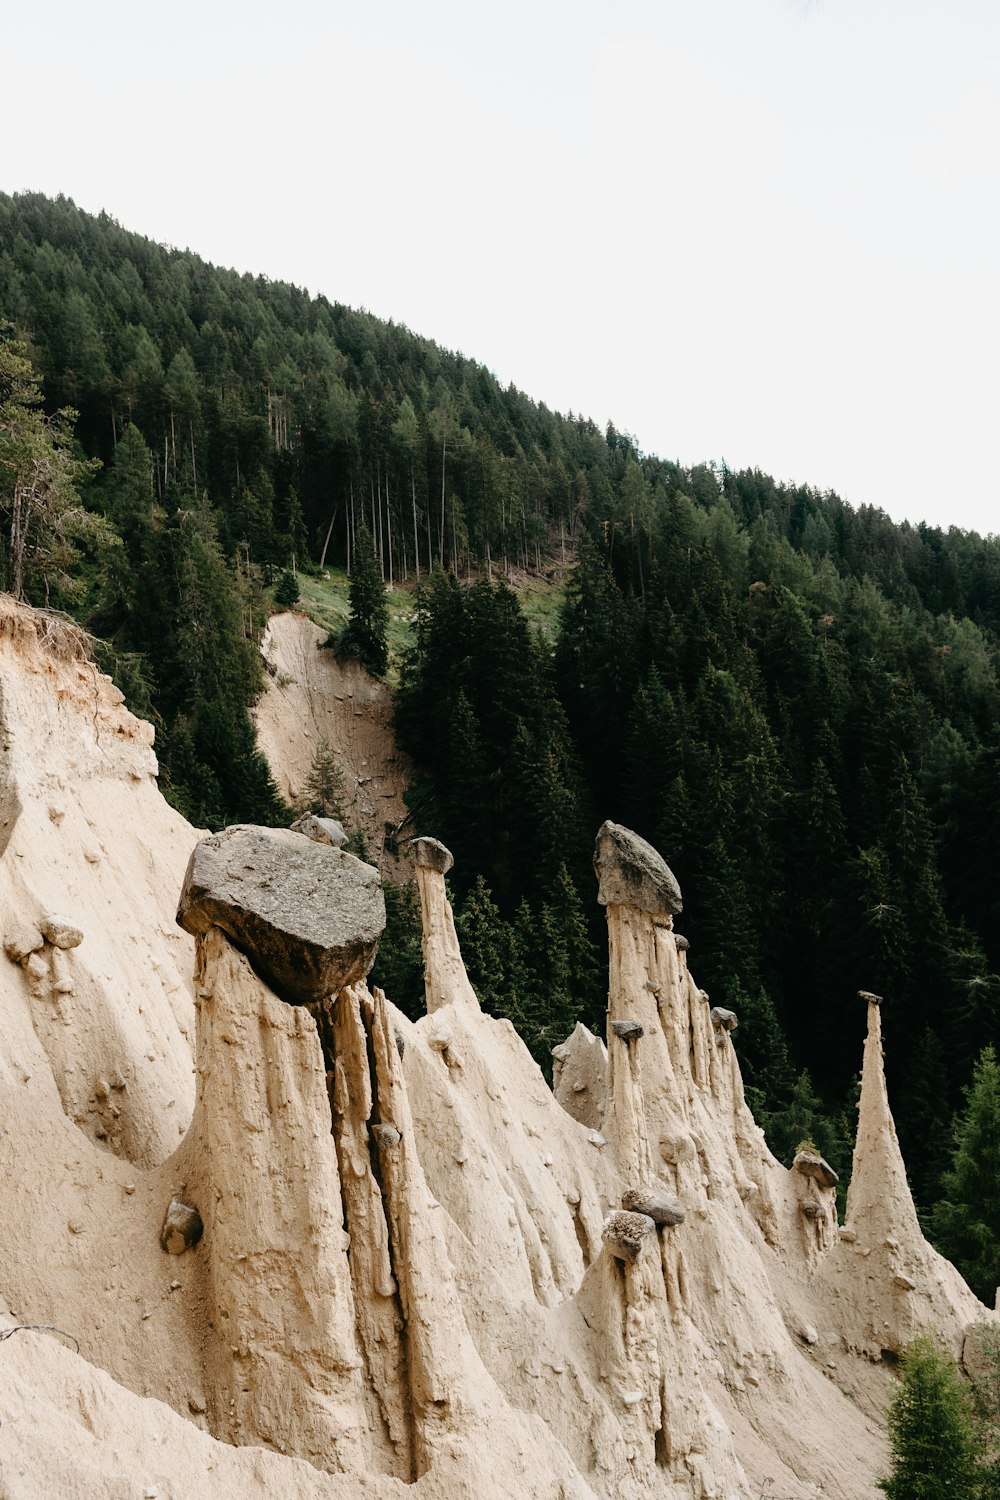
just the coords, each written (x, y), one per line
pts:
(966, 1220)
(366, 635)
(286, 590)
(930, 1431)
(324, 787)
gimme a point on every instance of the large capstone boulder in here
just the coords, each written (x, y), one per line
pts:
(307, 915)
(631, 873)
(431, 854)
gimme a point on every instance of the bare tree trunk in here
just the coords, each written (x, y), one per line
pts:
(416, 535)
(441, 532)
(326, 540)
(388, 527)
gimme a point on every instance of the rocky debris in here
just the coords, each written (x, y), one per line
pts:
(811, 1208)
(907, 1283)
(386, 1135)
(629, 1031)
(661, 1207)
(431, 854)
(811, 1164)
(61, 933)
(627, 1234)
(321, 830)
(725, 1019)
(182, 1227)
(307, 915)
(808, 1334)
(580, 1076)
(22, 943)
(631, 873)
(441, 1040)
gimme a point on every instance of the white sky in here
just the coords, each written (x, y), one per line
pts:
(759, 230)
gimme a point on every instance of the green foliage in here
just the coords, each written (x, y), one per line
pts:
(286, 590)
(985, 1391)
(399, 964)
(931, 1431)
(965, 1221)
(43, 520)
(324, 787)
(367, 633)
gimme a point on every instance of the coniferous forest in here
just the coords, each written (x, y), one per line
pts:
(795, 700)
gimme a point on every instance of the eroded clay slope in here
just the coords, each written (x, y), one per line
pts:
(405, 1268)
(311, 699)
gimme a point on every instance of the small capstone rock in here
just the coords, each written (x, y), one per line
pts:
(811, 1164)
(629, 1031)
(662, 1208)
(182, 1227)
(627, 1234)
(386, 1135)
(682, 943)
(726, 1019)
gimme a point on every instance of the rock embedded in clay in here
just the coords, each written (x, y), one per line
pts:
(307, 915)
(631, 873)
(662, 1208)
(629, 1031)
(811, 1164)
(182, 1227)
(726, 1019)
(431, 854)
(627, 1234)
(61, 933)
(22, 943)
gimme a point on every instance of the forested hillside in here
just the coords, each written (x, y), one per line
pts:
(795, 700)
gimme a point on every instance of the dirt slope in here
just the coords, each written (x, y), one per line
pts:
(312, 699)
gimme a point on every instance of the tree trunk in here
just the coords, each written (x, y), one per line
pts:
(326, 540)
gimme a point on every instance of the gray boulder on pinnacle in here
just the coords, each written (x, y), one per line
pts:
(631, 873)
(307, 915)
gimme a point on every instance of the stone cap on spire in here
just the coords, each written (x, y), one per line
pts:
(631, 873)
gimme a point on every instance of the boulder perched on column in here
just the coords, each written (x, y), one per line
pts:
(631, 873)
(307, 915)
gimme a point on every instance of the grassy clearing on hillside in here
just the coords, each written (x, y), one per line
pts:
(325, 599)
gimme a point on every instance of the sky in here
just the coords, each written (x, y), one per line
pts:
(765, 232)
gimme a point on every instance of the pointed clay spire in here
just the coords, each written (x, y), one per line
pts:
(445, 978)
(879, 1201)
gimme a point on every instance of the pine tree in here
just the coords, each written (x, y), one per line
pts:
(966, 1220)
(930, 1431)
(325, 789)
(366, 635)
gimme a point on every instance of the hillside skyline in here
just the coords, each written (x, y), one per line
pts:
(764, 235)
